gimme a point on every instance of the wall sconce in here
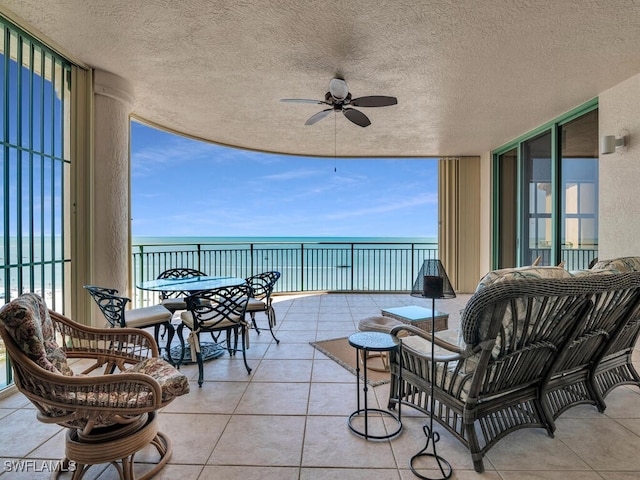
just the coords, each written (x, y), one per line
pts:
(609, 143)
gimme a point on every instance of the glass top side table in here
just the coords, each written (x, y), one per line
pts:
(371, 342)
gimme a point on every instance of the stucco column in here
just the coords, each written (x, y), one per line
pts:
(110, 213)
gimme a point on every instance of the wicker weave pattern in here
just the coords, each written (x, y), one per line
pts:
(554, 324)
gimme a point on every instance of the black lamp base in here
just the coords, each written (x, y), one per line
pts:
(443, 465)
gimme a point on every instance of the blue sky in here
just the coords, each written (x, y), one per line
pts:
(182, 187)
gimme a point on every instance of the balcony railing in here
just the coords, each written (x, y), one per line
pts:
(312, 266)
(308, 266)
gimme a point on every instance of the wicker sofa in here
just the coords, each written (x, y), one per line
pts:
(533, 342)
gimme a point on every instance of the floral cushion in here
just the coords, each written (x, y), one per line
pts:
(172, 382)
(621, 264)
(28, 322)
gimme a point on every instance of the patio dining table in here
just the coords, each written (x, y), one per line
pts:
(189, 286)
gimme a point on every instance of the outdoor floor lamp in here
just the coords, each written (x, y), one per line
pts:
(432, 282)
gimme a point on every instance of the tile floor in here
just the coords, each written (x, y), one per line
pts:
(288, 419)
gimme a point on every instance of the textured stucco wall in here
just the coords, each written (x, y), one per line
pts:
(619, 229)
(110, 221)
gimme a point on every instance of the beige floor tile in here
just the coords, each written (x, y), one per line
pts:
(457, 474)
(326, 370)
(283, 371)
(274, 399)
(264, 440)
(52, 448)
(17, 400)
(25, 432)
(213, 397)
(623, 402)
(290, 351)
(551, 475)
(21, 470)
(227, 369)
(183, 472)
(337, 398)
(331, 334)
(619, 475)
(329, 443)
(296, 336)
(632, 424)
(604, 444)
(348, 474)
(193, 435)
(533, 449)
(219, 472)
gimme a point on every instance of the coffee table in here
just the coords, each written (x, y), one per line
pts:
(418, 316)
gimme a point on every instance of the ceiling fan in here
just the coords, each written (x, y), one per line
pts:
(339, 100)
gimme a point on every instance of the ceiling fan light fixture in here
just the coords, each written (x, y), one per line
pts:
(338, 88)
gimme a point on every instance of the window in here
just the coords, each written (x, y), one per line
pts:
(546, 198)
(35, 169)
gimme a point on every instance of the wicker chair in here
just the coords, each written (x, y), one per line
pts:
(108, 417)
(262, 286)
(216, 311)
(175, 301)
(517, 334)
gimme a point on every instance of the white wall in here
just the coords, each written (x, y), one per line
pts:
(619, 217)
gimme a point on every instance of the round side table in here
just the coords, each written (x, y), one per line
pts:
(366, 342)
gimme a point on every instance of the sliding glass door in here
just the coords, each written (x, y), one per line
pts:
(546, 195)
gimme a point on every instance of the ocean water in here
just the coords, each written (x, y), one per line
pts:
(142, 240)
(306, 263)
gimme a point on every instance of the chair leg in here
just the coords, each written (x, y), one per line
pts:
(170, 331)
(244, 352)
(181, 338)
(271, 316)
(200, 369)
(253, 321)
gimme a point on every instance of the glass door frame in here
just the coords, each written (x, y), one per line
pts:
(554, 128)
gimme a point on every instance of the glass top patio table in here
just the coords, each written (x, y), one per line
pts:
(190, 284)
(209, 350)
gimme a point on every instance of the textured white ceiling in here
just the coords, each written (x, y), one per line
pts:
(468, 75)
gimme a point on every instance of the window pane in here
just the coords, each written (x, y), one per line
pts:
(538, 205)
(579, 180)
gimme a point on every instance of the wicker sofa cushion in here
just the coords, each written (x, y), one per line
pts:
(621, 264)
(28, 322)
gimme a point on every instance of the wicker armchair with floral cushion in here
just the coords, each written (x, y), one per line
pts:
(110, 407)
(517, 333)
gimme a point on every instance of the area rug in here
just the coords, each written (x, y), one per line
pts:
(339, 350)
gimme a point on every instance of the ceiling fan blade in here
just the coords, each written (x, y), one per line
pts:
(374, 101)
(356, 117)
(302, 100)
(318, 116)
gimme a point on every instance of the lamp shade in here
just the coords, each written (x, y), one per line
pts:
(432, 281)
